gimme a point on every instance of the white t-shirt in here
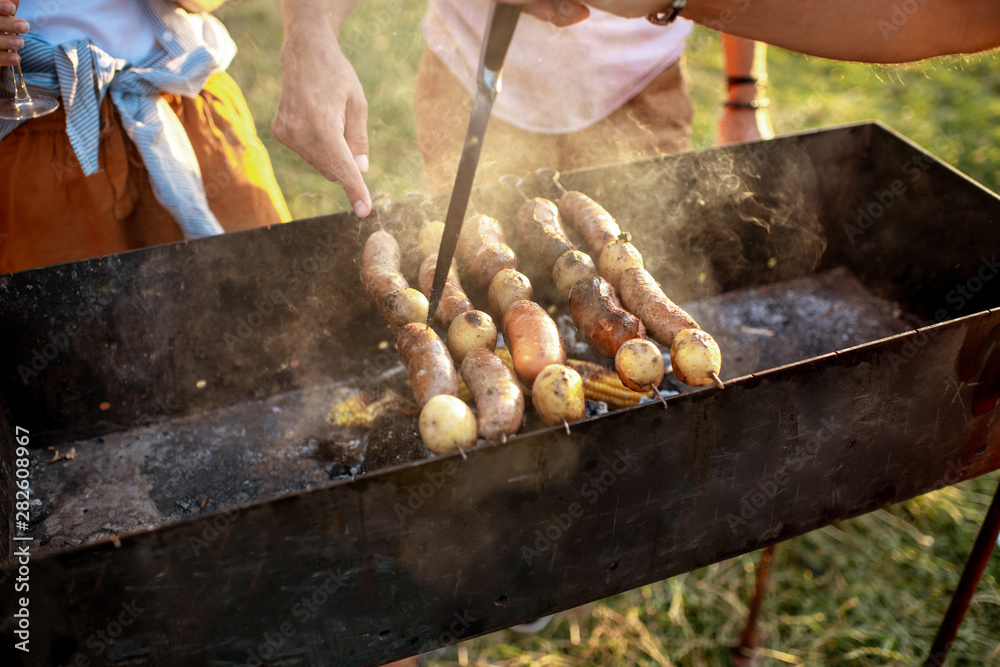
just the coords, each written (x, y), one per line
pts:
(116, 26)
(556, 80)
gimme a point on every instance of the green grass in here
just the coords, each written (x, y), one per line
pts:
(870, 591)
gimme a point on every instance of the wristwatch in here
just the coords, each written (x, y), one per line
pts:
(667, 17)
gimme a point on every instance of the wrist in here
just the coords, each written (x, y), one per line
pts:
(745, 89)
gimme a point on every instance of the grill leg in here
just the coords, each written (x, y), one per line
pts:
(978, 558)
(743, 654)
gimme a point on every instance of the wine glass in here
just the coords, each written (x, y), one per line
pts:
(23, 106)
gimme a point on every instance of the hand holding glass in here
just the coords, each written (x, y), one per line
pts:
(23, 106)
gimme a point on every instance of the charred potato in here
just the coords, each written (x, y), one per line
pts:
(446, 423)
(429, 240)
(557, 394)
(507, 287)
(695, 357)
(470, 330)
(572, 265)
(616, 257)
(639, 364)
(404, 306)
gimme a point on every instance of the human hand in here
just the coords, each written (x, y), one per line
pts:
(744, 125)
(322, 113)
(11, 27)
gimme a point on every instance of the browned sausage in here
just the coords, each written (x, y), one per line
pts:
(499, 399)
(541, 238)
(380, 267)
(642, 295)
(599, 316)
(533, 339)
(589, 218)
(482, 250)
(427, 362)
(453, 302)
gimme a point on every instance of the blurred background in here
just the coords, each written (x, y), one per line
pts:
(870, 591)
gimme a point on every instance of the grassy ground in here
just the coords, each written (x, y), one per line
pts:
(870, 591)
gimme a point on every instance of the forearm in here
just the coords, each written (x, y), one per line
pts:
(304, 19)
(746, 67)
(864, 30)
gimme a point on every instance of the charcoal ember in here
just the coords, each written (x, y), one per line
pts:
(394, 439)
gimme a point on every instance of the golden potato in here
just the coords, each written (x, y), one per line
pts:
(572, 266)
(639, 364)
(429, 240)
(557, 394)
(616, 257)
(404, 306)
(446, 423)
(507, 287)
(695, 356)
(470, 330)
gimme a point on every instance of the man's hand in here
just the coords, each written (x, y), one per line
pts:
(13, 25)
(322, 112)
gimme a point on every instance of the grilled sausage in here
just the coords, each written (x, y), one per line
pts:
(642, 296)
(589, 218)
(499, 399)
(453, 302)
(380, 267)
(541, 238)
(482, 250)
(600, 318)
(533, 339)
(427, 362)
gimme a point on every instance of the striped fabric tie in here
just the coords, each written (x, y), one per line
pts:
(190, 48)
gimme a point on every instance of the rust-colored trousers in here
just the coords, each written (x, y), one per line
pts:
(657, 121)
(51, 213)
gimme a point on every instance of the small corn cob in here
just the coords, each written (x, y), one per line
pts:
(603, 384)
(599, 383)
(362, 408)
